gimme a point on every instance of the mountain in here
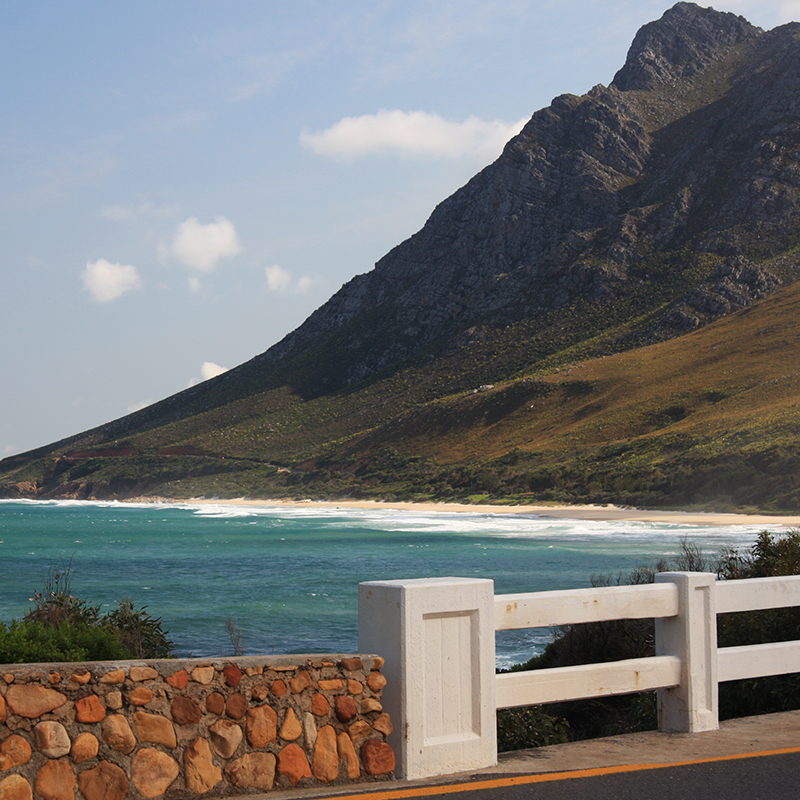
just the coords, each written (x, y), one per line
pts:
(542, 336)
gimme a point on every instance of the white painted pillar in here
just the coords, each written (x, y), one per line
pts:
(692, 636)
(437, 636)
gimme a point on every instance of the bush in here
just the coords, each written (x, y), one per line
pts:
(518, 728)
(56, 605)
(63, 627)
(141, 634)
(770, 556)
(32, 641)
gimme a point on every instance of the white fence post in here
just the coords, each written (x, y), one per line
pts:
(692, 636)
(437, 636)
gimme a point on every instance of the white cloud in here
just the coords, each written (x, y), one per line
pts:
(414, 133)
(280, 280)
(201, 246)
(139, 406)
(304, 284)
(210, 370)
(106, 281)
(9, 450)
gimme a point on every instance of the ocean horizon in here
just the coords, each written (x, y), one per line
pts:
(288, 575)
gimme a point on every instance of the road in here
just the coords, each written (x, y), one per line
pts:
(767, 776)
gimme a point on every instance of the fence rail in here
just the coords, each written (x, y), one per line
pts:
(573, 606)
(757, 660)
(537, 686)
(757, 594)
(438, 639)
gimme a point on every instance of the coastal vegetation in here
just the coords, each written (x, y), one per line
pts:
(63, 627)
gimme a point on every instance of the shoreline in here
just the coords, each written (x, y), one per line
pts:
(591, 513)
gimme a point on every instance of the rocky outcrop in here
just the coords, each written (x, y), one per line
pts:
(20, 489)
(735, 284)
(685, 41)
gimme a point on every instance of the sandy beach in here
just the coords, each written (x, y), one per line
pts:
(586, 512)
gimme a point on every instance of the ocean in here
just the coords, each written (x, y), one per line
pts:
(288, 576)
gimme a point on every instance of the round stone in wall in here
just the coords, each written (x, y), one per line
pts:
(152, 771)
(15, 787)
(52, 739)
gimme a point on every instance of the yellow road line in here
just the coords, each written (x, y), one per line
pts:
(545, 777)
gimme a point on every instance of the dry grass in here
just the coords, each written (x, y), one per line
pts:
(738, 378)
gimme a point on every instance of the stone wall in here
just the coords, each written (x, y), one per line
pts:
(178, 728)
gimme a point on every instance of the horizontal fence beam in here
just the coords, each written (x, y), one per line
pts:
(533, 687)
(757, 594)
(757, 660)
(573, 606)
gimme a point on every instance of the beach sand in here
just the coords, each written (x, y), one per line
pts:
(585, 512)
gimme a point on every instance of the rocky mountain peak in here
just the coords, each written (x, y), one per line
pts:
(685, 41)
(591, 191)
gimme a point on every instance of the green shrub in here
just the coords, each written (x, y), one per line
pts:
(56, 604)
(519, 728)
(141, 634)
(770, 556)
(35, 641)
(63, 627)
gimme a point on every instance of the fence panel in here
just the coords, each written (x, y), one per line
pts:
(438, 639)
(537, 686)
(574, 606)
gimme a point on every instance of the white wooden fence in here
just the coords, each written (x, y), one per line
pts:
(437, 636)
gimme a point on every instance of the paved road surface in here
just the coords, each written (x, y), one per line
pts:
(768, 777)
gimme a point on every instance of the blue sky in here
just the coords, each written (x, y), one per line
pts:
(185, 182)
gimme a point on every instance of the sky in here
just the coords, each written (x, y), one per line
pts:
(183, 183)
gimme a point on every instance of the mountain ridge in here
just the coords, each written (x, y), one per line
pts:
(632, 215)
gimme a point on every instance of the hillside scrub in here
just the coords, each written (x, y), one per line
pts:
(771, 555)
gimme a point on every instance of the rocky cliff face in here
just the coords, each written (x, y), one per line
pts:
(686, 41)
(690, 158)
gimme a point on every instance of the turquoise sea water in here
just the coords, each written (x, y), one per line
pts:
(289, 576)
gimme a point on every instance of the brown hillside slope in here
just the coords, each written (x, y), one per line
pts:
(709, 418)
(739, 376)
(727, 393)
